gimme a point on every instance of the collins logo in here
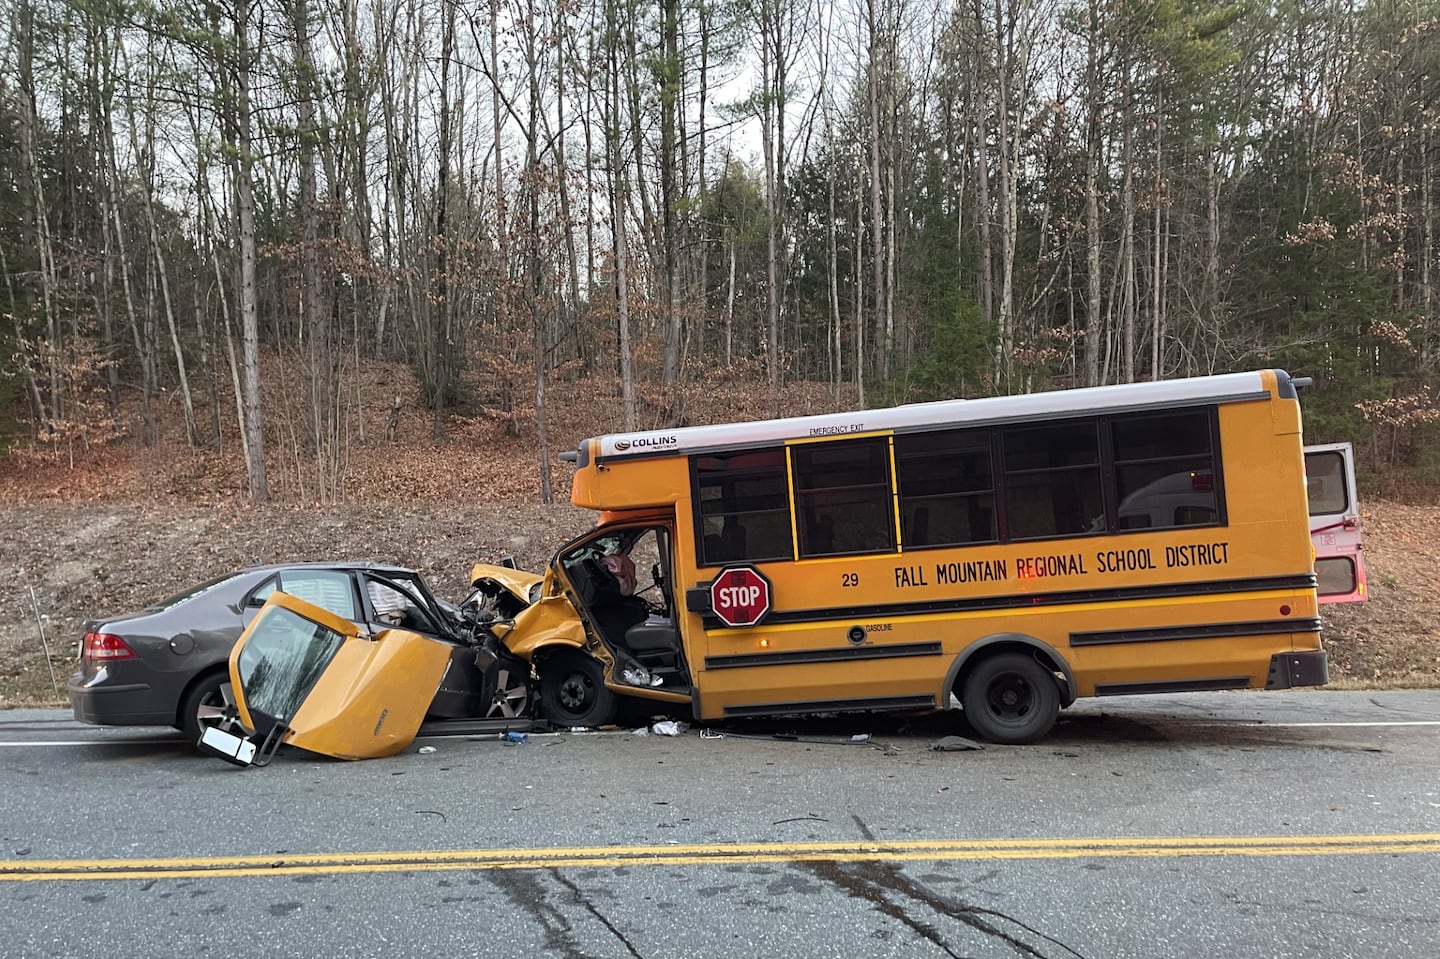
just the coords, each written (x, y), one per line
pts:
(646, 442)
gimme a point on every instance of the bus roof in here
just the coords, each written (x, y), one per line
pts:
(921, 417)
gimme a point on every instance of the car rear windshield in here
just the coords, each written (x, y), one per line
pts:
(194, 591)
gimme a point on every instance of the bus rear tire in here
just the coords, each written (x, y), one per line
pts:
(1010, 698)
(573, 691)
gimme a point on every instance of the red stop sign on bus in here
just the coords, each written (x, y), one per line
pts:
(740, 596)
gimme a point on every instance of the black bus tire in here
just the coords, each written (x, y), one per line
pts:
(573, 691)
(1010, 698)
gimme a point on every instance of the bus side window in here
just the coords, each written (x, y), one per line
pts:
(946, 489)
(1165, 470)
(743, 507)
(842, 497)
(1052, 480)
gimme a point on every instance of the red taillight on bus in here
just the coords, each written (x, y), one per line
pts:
(104, 646)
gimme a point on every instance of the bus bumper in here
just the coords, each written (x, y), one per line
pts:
(1308, 668)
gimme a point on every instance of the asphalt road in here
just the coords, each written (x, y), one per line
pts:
(1240, 825)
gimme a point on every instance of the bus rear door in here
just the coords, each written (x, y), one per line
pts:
(1335, 522)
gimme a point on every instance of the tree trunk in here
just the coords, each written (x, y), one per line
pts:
(242, 161)
(1094, 328)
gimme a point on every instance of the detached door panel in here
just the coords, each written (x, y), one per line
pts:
(339, 692)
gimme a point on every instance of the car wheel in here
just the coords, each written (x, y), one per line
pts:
(512, 693)
(573, 692)
(1010, 698)
(205, 704)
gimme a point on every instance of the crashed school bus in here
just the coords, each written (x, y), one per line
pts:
(1006, 555)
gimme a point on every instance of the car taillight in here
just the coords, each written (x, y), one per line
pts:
(105, 646)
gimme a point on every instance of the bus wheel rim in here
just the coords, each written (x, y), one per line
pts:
(1010, 698)
(574, 691)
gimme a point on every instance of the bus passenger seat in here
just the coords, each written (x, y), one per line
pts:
(714, 547)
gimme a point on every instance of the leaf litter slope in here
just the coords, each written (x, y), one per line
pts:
(129, 526)
(83, 560)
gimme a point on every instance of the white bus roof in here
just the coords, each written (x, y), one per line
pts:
(921, 417)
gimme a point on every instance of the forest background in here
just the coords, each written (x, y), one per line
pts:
(333, 253)
(227, 208)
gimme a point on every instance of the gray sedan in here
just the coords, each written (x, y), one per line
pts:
(168, 664)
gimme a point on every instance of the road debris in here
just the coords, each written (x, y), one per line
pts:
(954, 744)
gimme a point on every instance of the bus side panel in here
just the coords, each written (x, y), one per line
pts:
(1212, 642)
(907, 663)
(1221, 640)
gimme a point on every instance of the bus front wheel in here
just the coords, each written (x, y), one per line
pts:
(573, 692)
(1010, 698)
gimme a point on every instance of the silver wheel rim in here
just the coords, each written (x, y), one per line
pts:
(212, 709)
(512, 695)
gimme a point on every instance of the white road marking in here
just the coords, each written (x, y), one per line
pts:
(1273, 725)
(1248, 723)
(97, 742)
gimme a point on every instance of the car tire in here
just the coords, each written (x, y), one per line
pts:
(1010, 698)
(204, 704)
(573, 691)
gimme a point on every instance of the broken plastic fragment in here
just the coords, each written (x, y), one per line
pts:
(668, 727)
(426, 750)
(954, 744)
(516, 738)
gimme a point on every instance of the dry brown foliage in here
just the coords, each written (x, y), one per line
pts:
(129, 524)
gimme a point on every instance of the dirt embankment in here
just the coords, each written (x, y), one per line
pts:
(97, 559)
(80, 561)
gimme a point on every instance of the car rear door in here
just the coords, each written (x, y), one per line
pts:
(324, 684)
(1335, 522)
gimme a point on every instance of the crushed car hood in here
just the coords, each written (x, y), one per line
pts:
(517, 582)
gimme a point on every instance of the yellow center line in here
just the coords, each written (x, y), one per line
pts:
(431, 860)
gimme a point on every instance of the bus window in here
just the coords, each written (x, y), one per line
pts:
(842, 498)
(743, 507)
(1336, 576)
(1052, 480)
(1165, 471)
(1325, 486)
(946, 487)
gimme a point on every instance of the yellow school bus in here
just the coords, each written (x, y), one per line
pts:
(1004, 556)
